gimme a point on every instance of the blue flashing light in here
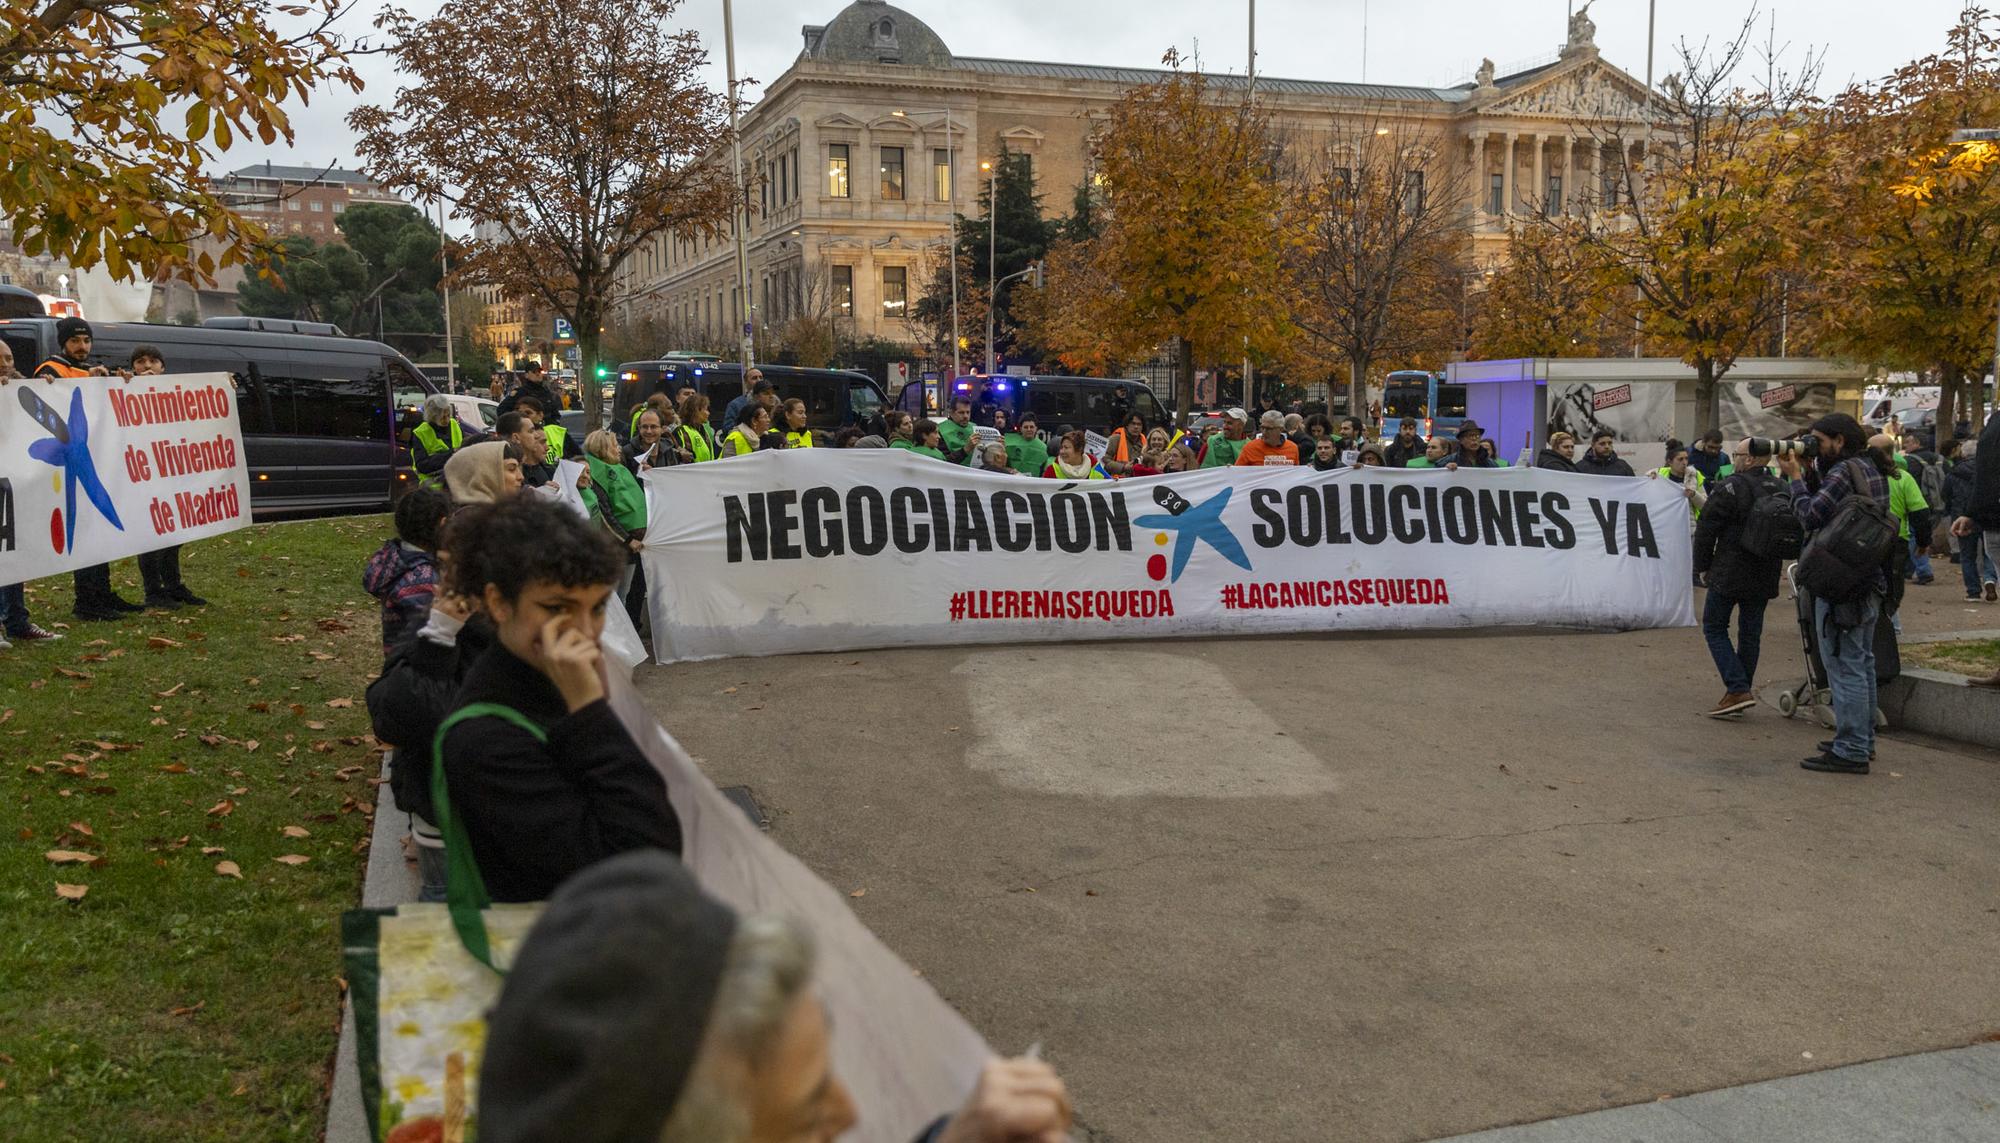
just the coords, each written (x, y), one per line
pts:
(697, 373)
(1000, 386)
(965, 384)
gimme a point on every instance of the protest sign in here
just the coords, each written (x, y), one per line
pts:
(821, 550)
(97, 469)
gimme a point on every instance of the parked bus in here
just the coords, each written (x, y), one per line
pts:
(1438, 407)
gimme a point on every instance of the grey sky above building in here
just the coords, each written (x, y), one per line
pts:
(1420, 42)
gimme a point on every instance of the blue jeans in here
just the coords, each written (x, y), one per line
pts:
(1974, 564)
(1849, 655)
(14, 609)
(1738, 664)
(1920, 564)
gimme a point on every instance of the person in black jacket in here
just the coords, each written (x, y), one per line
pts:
(1602, 459)
(534, 383)
(538, 805)
(1982, 515)
(1407, 446)
(1974, 565)
(1737, 578)
(1560, 455)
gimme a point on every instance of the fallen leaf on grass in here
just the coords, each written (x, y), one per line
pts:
(115, 747)
(229, 869)
(320, 656)
(170, 691)
(66, 673)
(288, 638)
(71, 892)
(210, 850)
(156, 720)
(6, 714)
(161, 642)
(313, 725)
(174, 768)
(859, 893)
(292, 859)
(261, 707)
(340, 703)
(296, 831)
(346, 772)
(68, 857)
(251, 745)
(222, 809)
(333, 625)
(189, 1010)
(83, 829)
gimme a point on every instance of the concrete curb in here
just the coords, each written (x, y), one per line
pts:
(389, 880)
(1942, 704)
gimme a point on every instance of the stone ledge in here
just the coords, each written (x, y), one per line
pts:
(1943, 704)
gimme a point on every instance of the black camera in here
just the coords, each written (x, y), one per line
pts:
(1806, 446)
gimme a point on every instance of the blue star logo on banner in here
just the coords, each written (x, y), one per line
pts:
(67, 447)
(1192, 522)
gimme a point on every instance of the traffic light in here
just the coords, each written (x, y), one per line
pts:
(603, 371)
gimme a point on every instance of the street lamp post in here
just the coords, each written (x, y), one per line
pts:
(992, 269)
(742, 216)
(951, 195)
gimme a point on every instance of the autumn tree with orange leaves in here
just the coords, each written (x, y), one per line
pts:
(1189, 247)
(1915, 284)
(111, 111)
(575, 166)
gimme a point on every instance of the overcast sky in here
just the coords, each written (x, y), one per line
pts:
(1424, 42)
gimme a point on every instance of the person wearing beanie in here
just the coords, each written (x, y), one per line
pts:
(1843, 468)
(483, 473)
(641, 1010)
(95, 598)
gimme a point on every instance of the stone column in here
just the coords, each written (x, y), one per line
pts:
(1478, 176)
(1539, 189)
(1507, 179)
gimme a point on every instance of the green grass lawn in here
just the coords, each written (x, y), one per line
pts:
(170, 1001)
(1975, 657)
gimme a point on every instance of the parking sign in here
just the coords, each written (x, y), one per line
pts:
(563, 330)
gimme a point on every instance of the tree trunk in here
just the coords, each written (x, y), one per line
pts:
(587, 385)
(1950, 381)
(1707, 415)
(1975, 400)
(1183, 380)
(1357, 390)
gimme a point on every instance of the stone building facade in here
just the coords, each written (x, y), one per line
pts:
(860, 152)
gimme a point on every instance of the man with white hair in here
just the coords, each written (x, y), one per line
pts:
(642, 1010)
(1271, 447)
(1737, 563)
(435, 439)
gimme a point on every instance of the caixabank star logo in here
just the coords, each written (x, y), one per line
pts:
(1190, 523)
(67, 449)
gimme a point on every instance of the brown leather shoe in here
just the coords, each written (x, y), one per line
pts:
(1733, 704)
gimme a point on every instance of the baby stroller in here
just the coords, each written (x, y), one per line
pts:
(1813, 693)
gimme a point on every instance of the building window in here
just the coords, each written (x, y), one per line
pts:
(1496, 186)
(318, 207)
(895, 291)
(795, 173)
(1609, 189)
(892, 174)
(836, 170)
(1413, 192)
(340, 208)
(941, 175)
(1555, 202)
(292, 205)
(784, 180)
(843, 291)
(764, 187)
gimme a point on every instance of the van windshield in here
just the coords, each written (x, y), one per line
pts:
(1406, 399)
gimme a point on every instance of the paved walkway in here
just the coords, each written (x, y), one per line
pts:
(1934, 1097)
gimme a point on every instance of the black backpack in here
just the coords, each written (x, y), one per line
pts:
(1772, 530)
(1842, 559)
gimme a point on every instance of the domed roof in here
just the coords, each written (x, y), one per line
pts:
(871, 31)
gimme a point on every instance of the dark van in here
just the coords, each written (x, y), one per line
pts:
(835, 398)
(1093, 404)
(325, 418)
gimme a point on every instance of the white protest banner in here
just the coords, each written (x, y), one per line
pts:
(905, 1055)
(818, 550)
(96, 469)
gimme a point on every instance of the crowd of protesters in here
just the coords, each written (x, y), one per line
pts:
(638, 1007)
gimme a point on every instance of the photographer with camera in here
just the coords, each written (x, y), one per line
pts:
(1843, 501)
(1741, 544)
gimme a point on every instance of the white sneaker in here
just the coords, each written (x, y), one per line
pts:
(4, 645)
